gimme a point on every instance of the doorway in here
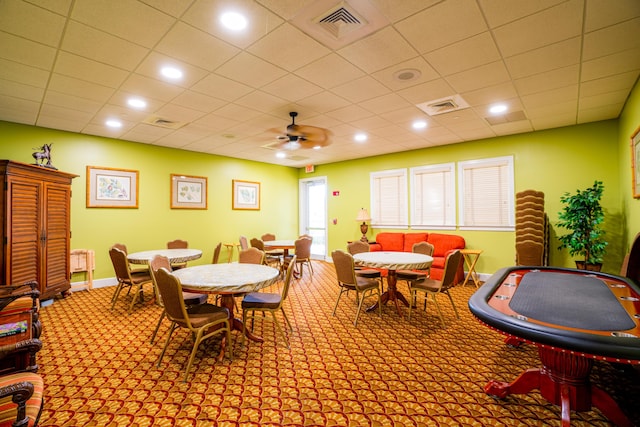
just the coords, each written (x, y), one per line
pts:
(313, 214)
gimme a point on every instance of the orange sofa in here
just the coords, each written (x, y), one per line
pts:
(442, 245)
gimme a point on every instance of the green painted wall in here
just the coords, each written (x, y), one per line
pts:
(553, 161)
(154, 222)
(629, 122)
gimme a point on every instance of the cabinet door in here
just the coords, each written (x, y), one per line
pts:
(24, 231)
(56, 243)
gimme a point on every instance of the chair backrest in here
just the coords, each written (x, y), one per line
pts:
(424, 248)
(120, 265)
(216, 253)
(287, 279)
(243, 242)
(251, 256)
(450, 268)
(303, 248)
(345, 267)
(268, 237)
(305, 236)
(121, 246)
(257, 243)
(177, 244)
(357, 247)
(170, 290)
(158, 262)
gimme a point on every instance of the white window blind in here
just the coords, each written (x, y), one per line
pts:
(389, 198)
(486, 194)
(433, 196)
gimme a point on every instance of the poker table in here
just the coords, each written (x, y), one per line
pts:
(574, 317)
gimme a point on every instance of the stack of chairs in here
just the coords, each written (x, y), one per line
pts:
(532, 236)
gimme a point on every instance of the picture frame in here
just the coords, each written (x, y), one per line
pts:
(246, 195)
(635, 165)
(188, 192)
(112, 188)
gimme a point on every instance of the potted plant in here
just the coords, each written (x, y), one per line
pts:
(582, 215)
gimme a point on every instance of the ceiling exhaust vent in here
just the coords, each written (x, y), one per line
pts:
(443, 105)
(163, 123)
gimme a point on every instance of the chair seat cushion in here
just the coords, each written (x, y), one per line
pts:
(206, 313)
(191, 298)
(34, 404)
(261, 300)
(368, 272)
(365, 283)
(410, 275)
(429, 285)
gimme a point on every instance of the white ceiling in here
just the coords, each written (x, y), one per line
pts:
(72, 64)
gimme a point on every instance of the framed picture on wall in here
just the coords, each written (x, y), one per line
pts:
(188, 192)
(246, 195)
(635, 166)
(112, 188)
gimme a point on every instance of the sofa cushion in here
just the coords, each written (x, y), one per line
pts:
(411, 238)
(443, 243)
(391, 241)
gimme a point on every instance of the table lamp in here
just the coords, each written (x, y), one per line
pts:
(363, 216)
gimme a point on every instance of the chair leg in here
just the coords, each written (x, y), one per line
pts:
(277, 323)
(114, 298)
(135, 297)
(439, 311)
(155, 332)
(413, 296)
(337, 301)
(193, 353)
(172, 328)
(455, 310)
(244, 325)
(286, 319)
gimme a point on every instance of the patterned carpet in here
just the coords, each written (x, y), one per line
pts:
(99, 369)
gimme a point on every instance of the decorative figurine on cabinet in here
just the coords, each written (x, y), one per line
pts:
(42, 155)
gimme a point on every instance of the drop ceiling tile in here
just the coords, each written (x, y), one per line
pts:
(146, 133)
(72, 102)
(215, 123)
(379, 50)
(360, 89)
(20, 73)
(464, 55)
(610, 98)
(610, 65)
(511, 128)
(171, 7)
(553, 121)
(152, 65)
(67, 123)
(475, 134)
(18, 110)
(398, 10)
(83, 40)
(432, 28)
(600, 13)
(61, 7)
(80, 88)
(550, 97)
(601, 112)
(20, 90)
(31, 22)
(624, 81)
(122, 19)
(26, 52)
(499, 93)
(480, 77)
(552, 25)
(561, 108)
(288, 48)
(385, 103)
(370, 123)
(151, 88)
(330, 71)
(63, 113)
(455, 118)
(612, 39)
(434, 89)
(238, 113)
(500, 12)
(551, 57)
(553, 79)
(176, 113)
(350, 113)
(211, 53)
(78, 67)
(292, 88)
(262, 101)
(324, 102)
(250, 70)
(221, 87)
(198, 101)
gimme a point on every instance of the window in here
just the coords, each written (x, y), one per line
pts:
(389, 198)
(485, 193)
(433, 197)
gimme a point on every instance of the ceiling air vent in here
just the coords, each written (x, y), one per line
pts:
(340, 21)
(443, 105)
(163, 123)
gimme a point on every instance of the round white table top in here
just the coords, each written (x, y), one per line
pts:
(227, 278)
(393, 260)
(174, 255)
(280, 244)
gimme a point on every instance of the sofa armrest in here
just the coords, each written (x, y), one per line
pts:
(375, 247)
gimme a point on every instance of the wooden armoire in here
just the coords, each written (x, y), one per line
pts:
(35, 211)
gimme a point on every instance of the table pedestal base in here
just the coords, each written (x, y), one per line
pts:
(391, 294)
(236, 324)
(563, 380)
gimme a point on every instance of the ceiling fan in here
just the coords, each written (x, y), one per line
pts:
(302, 136)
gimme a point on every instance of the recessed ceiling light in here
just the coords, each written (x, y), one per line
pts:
(171, 72)
(360, 137)
(113, 123)
(419, 124)
(280, 155)
(497, 108)
(233, 21)
(317, 147)
(137, 103)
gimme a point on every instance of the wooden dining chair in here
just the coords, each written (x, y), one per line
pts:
(127, 278)
(251, 256)
(269, 237)
(190, 298)
(266, 302)
(270, 260)
(244, 244)
(178, 244)
(303, 256)
(358, 247)
(202, 320)
(216, 253)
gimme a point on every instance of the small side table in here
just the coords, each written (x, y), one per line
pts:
(230, 247)
(470, 259)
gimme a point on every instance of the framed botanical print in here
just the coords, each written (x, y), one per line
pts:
(112, 188)
(246, 195)
(188, 192)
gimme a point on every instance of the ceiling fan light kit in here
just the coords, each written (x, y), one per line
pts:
(303, 136)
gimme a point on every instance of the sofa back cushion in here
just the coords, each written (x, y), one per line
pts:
(443, 243)
(411, 238)
(391, 241)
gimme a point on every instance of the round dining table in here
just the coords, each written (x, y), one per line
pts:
(285, 245)
(228, 280)
(175, 256)
(392, 261)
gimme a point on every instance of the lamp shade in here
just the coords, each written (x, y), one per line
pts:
(363, 215)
